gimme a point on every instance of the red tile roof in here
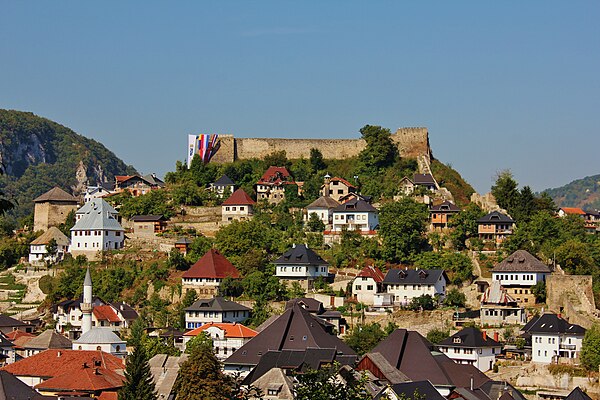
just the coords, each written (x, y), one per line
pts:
(239, 197)
(372, 272)
(212, 265)
(573, 210)
(106, 313)
(122, 178)
(56, 362)
(108, 396)
(345, 182)
(276, 175)
(13, 335)
(83, 379)
(232, 330)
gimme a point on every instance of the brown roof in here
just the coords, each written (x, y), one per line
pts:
(372, 272)
(106, 313)
(239, 197)
(12, 388)
(53, 362)
(52, 233)
(521, 261)
(48, 339)
(56, 194)
(83, 379)
(276, 175)
(212, 265)
(345, 182)
(323, 202)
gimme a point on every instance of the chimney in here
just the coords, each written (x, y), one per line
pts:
(496, 336)
(472, 380)
(559, 315)
(85, 365)
(58, 353)
(484, 334)
(96, 372)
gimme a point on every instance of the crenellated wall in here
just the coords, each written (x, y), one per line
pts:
(412, 142)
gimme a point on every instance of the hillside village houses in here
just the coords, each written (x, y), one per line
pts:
(39, 252)
(554, 339)
(271, 186)
(441, 214)
(97, 192)
(137, 185)
(52, 209)
(591, 218)
(355, 215)
(239, 206)
(217, 310)
(222, 187)
(406, 284)
(518, 272)
(323, 207)
(206, 275)
(367, 284)
(226, 337)
(301, 264)
(336, 188)
(495, 227)
(472, 346)
(500, 308)
(148, 225)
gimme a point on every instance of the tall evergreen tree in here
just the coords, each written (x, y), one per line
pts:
(138, 379)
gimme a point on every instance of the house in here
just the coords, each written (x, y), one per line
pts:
(355, 196)
(183, 244)
(367, 284)
(239, 206)
(441, 214)
(216, 310)
(18, 339)
(97, 192)
(84, 381)
(471, 346)
(316, 308)
(271, 186)
(12, 388)
(148, 225)
(103, 339)
(336, 188)
(52, 208)
(206, 275)
(518, 272)
(406, 284)
(226, 337)
(295, 329)
(48, 339)
(68, 316)
(554, 340)
(426, 181)
(355, 215)
(222, 187)
(137, 185)
(96, 230)
(406, 186)
(164, 369)
(499, 308)
(590, 218)
(275, 384)
(407, 390)
(38, 253)
(323, 207)
(301, 264)
(56, 363)
(9, 324)
(8, 354)
(495, 227)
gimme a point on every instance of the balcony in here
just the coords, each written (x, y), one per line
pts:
(564, 346)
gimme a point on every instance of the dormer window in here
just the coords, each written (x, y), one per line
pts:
(457, 340)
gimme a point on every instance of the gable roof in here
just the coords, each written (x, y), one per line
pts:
(342, 180)
(446, 206)
(232, 330)
(48, 339)
(275, 176)
(573, 210)
(412, 276)
(300, 254)
(212, 265)
(12, 388)
(223, 181)
(125, 310)
(105, 313)
(96, 203)
(496, 294)
(83, 379)
(98, 215)
(521, 261)
(219, 304)
(295, 329)
(356, 204)
(495, 217)
(551, 323)
(153, 180)
(52, 233)
(239, 197)
(56, 194)
(54, 362)
(578, 394)
(311, 305)
(323, 202)
(9, 322)
(148, 218)
(469, 338)
(424, 388)
(371, 272)
(423, 179)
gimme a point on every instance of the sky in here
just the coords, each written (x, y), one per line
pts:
(499, 85)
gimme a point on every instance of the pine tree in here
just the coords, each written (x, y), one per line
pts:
(138, 379)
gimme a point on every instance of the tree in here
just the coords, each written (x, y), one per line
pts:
(455, 298)
(277, 159)
(51, 250)
(380, 151)
(436, 335)
(423, 302)
(539, 291)
(202, 339)
(464, 225)
(363, 338)
(138, 383)
(200, 377)
(66, 226)
(316, 161)
(323, 384)
(314, 223)
(590, 348)
(505, 191)
(177, 260)
(402, 229)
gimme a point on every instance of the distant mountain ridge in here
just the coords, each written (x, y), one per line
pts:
(583, 193)
(37, 154)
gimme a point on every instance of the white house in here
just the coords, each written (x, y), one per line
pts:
(471, 346)
(367, 284)
(96, 192)
(406, 284)
(553, 339)
(336, 188)
(206, 275)
(222, 187)
(302, 265)
(96, 230)
(323, 207)
(518, 272)
(239, 206)
(355, 215)
(38, 253)
(499, 308)
(226, 337)
(215, 310)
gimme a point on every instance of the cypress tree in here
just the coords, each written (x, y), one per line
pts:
(138, 378)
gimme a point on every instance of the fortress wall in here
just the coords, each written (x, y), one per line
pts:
(412, 142)
(574, 294)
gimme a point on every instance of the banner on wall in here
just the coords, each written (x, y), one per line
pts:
(205, 145)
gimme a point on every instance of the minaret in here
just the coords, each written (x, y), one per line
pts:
(326, 189)
(86, 306)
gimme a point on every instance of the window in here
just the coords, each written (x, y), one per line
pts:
(369, 287)
(358, 287)
(226, 208)
(241, 208)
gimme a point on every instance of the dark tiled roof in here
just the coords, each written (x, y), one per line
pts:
(521, 261)
(551, 323)
(148, 218)
(495, 217)
(414, 277)
(494, 390)
(239, 197)
(6, 321)
(424, 389)
(311, 305)
(578, 394)
(323, 202)
(56, 194)
(212, 265)
(12, 388)
(153, 180)
(216, 304)
(183, 240)
(423, 179)
(355, 205)
(471, 338)
(126, 310)
(223, 181)
(446, 206)
(295, 329)
(300, 254)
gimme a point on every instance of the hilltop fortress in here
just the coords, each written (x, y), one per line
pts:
(412, 143)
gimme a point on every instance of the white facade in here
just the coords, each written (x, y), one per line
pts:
(525, 279)
(324, 214)
(197, 318)
(383, 300)
(546, 347)
(363, 221)
(364, 288)
(482, 358)
(301, 271)
(404, 292)
(222, 345)
(39, 256)
(96, 240)
(94, 192)
(236, 212)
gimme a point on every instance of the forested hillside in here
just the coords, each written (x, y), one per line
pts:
(584, 193)
(37, 154)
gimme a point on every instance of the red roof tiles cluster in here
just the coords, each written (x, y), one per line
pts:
(345, 182)
(83, 379)
(232, 330)
(212, 265)
(372, 272)
(573, 210)
(239, 198)
(276, 176)
(106, 313)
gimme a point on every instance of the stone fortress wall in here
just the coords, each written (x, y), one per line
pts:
(412, 142)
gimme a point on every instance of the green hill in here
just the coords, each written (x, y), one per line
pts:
(584, 193)
(37, 154)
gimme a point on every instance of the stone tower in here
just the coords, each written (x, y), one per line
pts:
(52, 208)
(86, 305)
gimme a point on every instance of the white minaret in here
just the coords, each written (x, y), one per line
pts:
(86, 306)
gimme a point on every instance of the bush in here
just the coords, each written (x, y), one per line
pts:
(424, 302)
(455, 298)
(47, 284)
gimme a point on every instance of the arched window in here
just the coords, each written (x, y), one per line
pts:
(118, 348)
(98, 348)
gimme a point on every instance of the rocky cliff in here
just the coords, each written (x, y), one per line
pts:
(37, 154)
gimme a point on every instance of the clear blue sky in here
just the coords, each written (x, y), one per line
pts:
(505, 84)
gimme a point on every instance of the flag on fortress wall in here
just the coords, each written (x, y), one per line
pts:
(204, 145)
